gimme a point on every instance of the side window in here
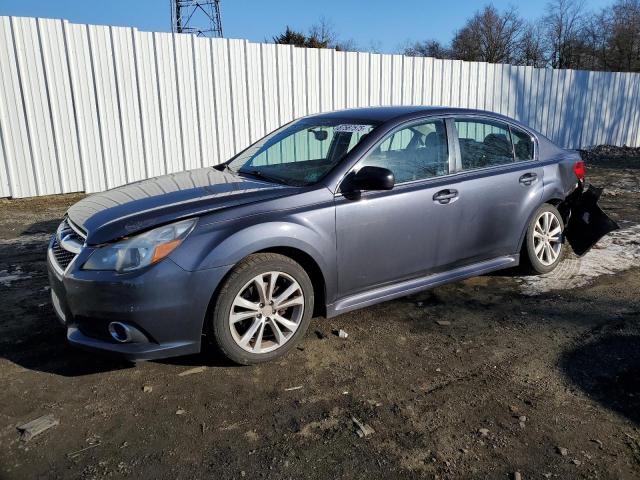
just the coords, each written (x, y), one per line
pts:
(484, 143)
(413, 153)
(522, 145)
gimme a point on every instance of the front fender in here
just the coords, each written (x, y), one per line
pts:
(267, 235)
(217, 244)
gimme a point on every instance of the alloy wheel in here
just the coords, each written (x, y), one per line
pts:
(547, 238)
(266, 313)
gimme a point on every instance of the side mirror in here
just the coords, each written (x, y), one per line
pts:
(369, 178)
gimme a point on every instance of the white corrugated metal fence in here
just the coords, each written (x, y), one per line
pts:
(86, 108)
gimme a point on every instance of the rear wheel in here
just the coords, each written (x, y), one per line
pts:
(545, 242)
(263, 308)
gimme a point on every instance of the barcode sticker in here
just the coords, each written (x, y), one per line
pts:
(351, 128)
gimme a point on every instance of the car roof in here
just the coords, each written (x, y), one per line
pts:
(385, 114)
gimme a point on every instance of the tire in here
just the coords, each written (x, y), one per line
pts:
(542, 256)
(243, 309)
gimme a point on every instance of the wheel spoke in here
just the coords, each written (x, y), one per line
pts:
(299, 300)
(537, 234)
(555, 232)
(285, 295)
(236, 317)
(538, 248)
(246, 338)
(244, 303)
(553, 252)
(546, 222)
(280, 338)
(257, 346)
(259, 284)
(271, 285)
(288, 324)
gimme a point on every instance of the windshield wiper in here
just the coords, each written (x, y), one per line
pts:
(263, 176)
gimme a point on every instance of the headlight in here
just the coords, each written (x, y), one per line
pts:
(141, 250)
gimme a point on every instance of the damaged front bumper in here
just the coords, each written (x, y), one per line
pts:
(585, 221)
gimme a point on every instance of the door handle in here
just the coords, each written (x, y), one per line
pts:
(445, 196)
(528, 178)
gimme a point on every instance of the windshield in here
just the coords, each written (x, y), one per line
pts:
(302, 152)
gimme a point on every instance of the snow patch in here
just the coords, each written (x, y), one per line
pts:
(618, 251)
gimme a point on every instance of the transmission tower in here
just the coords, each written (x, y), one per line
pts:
(199, 17)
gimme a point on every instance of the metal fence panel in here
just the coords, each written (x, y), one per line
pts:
(86, 108)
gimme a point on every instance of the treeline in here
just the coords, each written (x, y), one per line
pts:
(568, 35)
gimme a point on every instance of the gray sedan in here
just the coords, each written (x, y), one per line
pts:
(329, 213)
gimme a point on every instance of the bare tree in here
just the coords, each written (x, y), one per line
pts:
(428, 48)
(564, 23)
(489, 36)
(624, 36)
(323, 33)
(594, 39)
(531, 49)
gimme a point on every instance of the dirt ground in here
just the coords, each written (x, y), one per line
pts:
(537, 376)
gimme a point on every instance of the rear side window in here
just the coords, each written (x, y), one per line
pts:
(414, 152)
(522, 145)
(484, 143)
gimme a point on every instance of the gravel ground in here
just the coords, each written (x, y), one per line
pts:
(479, 379)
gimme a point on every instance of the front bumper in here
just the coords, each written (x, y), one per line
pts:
(164, 302)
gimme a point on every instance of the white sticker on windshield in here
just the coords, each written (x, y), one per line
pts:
(351, 128)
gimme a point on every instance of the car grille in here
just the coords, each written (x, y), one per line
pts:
(63, 256)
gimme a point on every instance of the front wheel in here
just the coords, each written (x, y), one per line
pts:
(544, 242)
(263, 308)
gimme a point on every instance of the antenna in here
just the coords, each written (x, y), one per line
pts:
(198, 17)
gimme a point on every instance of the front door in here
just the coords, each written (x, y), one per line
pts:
(388, 236)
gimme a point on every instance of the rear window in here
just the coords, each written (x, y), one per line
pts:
(522, 144)
(484, 143)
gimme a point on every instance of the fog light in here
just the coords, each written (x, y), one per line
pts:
(120, 332)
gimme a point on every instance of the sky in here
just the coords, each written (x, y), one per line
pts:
(386, 26)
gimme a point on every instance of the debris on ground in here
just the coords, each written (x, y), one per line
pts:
(363, 429)
(320, 334)
(483, 432)
(290, 389)
(596, 153)
(77, 453)
(191, 371)
(562, 451)
(147, 389)
(341, 333)
(180, 412)
(443, 323)
(577, 462)
(517, 476)
(37, 426)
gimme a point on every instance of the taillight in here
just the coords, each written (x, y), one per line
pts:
(578, 169)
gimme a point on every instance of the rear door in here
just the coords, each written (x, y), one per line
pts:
(499, 183)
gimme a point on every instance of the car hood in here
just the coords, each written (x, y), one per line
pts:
(139, 206)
